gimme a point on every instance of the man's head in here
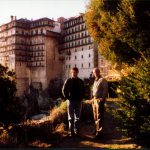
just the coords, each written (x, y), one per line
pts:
(74, 72)
(96, 72)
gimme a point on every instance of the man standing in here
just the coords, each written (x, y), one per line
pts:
(73, 90)
(100, 92)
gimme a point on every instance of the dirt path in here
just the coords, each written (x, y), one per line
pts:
(111, 139)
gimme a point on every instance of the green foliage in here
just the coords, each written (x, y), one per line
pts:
(122, 30)
(7, 94)
(112, 89)
(120, 27)
(134, 92)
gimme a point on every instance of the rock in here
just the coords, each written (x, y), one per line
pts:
(38, 117)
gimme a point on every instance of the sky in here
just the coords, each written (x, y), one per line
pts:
(35, 9)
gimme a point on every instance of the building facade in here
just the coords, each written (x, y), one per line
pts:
(78, 47)
(30, 48)
(44, 49)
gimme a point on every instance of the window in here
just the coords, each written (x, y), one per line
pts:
(89, 40)
(75, 57)
(89, 55)
(82, 65)
(81, 56)
(89, 65)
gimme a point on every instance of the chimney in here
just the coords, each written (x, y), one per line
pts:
(11, 18)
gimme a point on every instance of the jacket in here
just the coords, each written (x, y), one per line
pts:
(100, 88)
(73, 89)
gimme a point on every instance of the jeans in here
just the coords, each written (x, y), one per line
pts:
(74, 111)
(98, 112)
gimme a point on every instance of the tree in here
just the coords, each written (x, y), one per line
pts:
(135, 95)
(122, 30)
(7, 94)
(120, 27)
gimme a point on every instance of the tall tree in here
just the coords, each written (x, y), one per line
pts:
(122, 30)
(120, 27)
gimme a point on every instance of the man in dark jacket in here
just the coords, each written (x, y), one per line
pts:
(73, 90)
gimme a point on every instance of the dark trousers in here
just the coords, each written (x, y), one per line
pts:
(74, 111)
(98, 113)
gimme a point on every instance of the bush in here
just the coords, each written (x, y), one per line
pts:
(7, 96)
(135, 95)
(112, 88)
(55, 88)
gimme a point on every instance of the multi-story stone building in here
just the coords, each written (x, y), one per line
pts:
(44, 49)
(30, 48)
(79, 48)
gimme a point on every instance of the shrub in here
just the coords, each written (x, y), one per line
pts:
(135, 95)
(7, 96)
(112, 89)
(55, 88)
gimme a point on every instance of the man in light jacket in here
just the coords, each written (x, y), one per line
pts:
(100, 93)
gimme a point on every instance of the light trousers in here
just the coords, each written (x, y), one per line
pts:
(98, 113)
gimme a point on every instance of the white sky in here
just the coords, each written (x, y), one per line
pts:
(35, 9)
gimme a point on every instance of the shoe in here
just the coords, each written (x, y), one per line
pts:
(99, 135)
(77, 134)
(71, 134)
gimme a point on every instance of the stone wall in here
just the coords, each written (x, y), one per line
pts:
(54, 65)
